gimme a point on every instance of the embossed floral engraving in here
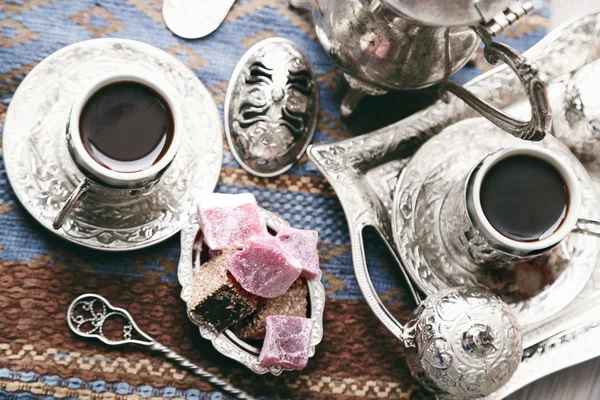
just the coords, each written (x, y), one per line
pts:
(271, 107)
(464, 342)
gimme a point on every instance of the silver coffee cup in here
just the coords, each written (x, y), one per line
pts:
(107, 184)
(470, 237)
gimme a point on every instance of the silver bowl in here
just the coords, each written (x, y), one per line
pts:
(227, 343)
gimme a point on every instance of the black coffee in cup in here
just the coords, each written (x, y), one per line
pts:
(524, 198)
(126, 126)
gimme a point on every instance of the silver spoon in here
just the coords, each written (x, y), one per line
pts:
(193, 19)
(88, 313)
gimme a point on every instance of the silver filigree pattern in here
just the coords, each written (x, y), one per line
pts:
(228, 343)
(577, 344)
(384, 51)
(464, 342)
(450, 13)
(533, 80)
(463, 239)
(380, 47)
(271, 107)
(88, 313)
(43, 174)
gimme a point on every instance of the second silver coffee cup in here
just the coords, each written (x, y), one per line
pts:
(470, 237)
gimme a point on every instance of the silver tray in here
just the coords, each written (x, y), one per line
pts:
(227, 343)
(364, 172)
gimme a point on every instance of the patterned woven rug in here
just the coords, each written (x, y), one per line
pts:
(40, 274)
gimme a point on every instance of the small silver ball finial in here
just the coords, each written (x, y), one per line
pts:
(479, 338)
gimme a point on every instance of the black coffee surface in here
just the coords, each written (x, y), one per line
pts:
(126, 126)
(524, 198)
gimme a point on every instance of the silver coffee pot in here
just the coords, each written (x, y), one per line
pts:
(384, 45)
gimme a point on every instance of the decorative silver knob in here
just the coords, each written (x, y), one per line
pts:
(464, 342)
(479, 338)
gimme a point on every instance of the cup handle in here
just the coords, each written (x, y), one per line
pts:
(589, 226)
(67, 208)
(535, 85)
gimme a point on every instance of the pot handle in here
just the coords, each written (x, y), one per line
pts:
(532, 79)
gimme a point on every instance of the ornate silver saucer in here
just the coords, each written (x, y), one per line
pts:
(535, 291)
(43, 175)
(227, 343)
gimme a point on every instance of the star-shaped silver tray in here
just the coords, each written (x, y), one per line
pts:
(365, 170)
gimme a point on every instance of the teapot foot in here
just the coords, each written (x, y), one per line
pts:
(356, 92)
(307, 4)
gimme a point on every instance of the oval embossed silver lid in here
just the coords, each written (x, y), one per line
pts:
(271, 107)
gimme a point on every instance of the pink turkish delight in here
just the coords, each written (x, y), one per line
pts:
(302, 244)
(287, 342)
(264, 267)
(227, 220)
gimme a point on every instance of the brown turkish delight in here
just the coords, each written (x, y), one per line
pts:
(293, 303)
(217, 299)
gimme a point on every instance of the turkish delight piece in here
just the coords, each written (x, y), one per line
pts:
(264, 267)
(227, 220)
(302, 244)
(217, 299)
(287, 342)
(294, 303)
